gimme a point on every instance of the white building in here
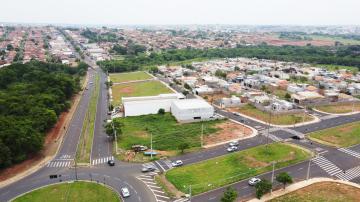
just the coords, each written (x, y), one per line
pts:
(136, 106)
(188, 110)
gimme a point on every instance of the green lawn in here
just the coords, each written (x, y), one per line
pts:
(341, 136)
(131, 76)
(280, 93)
(286, 119)
(335, 38)
(167, 133)
(76, 191)
(147, 88)
(322, 192)
(337, 67)
(339, 109)
(220, 171)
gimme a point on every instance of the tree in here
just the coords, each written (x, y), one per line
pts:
(113, 125)
(183, 146)
(161, 111)
(220, 74)
(263, 187)
(287, 96)
(185, 92)
(187, 86)
(9, 47)
(284, 178)
(230, 195)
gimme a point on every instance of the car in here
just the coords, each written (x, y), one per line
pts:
(111, 162)
(253, 181)
(236, 114)
(298, 137)
(177, 163)
(148, 169)
(125, 192)
(232, 148)
(233, 143)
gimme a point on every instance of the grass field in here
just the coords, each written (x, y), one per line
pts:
(138, 89)
(339, 109)
(167, 133)
(87, 132)
(76, 191)
(334, 38)
(337, 67)
(220, 171)
(131, 76)
(280, 93)
(341, 136)
(322, 192)
(286, 119)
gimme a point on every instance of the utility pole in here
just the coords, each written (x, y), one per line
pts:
(151, 145)
(272, 175)
(76, 177)
(308, 170)
(190, 193)
(202, 135)
(115, 136)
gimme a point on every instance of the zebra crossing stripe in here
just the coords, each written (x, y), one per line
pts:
(327, 165)
(102, 160)
(350, 152)
(349, 174)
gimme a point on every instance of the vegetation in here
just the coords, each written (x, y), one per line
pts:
(341, 136)
(167, 133)
(147, 88)
(284, 178)
(220, 171)
(32, 96)
(103, 37)
(283, 119)
(75, 191)
(130, 49)
(343, 55)
(340, 109)
(263, 187)
(322, 191)
(230, 195)
(131, 76)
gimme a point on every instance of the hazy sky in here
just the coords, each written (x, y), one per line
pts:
(295, 12)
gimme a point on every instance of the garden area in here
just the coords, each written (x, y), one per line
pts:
(341, 136)
(283, 119)
(224, 170)
(322, 191)
(74, 191)
(131, 76)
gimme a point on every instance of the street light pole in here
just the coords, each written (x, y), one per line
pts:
(151, 145)
(308, 170)
(272, 175)
(202, 135)
(190, 193)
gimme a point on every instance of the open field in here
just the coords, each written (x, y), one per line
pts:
(220, 171)
(335, 38)
(322, 191)
(337, 67)
(76, 191)
(284, 119)
(340, 136)
(131, 76)
(147, 88)
(87, 132)
(339, 109)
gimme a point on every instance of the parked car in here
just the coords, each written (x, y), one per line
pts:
(125, 192)
(233, 143)
(148, 169)
(138, 148)
(177, 163)
(111, 162)
(253, 181)
(232, 149)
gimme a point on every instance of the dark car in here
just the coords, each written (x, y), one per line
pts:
(111, 162)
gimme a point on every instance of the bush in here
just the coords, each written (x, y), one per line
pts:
(262, 188)
(161, 111)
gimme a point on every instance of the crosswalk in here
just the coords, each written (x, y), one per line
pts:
(101, 160)
(326, 165)
(149, 181)
(59, 164)
(65, 156)
(182, 200)
(349, 174)
(350, 152)
(271, 136)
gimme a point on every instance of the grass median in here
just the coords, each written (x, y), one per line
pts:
(83, 151)
(224, 170)
(341, 136)
(75, 191)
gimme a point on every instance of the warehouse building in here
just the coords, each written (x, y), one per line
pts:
(188, 110)
(136, 106)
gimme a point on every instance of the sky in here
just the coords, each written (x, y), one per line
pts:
(155, 12)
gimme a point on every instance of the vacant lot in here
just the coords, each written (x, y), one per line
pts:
(147, 88)
(167, 133)
(76, 191)
(227, 169)
(131, 76)
(339, 109)
(341, 136)
(286, 119)
(322, 191)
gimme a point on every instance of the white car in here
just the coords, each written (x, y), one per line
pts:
(177, 163)
(125, 192)
(253, 181)
(232, 149)
(233, 143)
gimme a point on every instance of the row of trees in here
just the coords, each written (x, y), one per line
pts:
(129, 49)
(32, 96)
(344, 55)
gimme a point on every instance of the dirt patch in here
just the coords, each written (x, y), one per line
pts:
(253, 163)
(168, 187)
(142, 134)
(127, 90)
(228, 131)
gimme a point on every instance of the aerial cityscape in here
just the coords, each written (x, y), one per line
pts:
(159, 101)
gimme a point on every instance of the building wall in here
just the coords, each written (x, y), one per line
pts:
(190, 114)
(146, 107)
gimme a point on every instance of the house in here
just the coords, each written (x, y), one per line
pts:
(203, 90)
(306, 97)
(230, 102)
(282, 105)
(188, 110)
